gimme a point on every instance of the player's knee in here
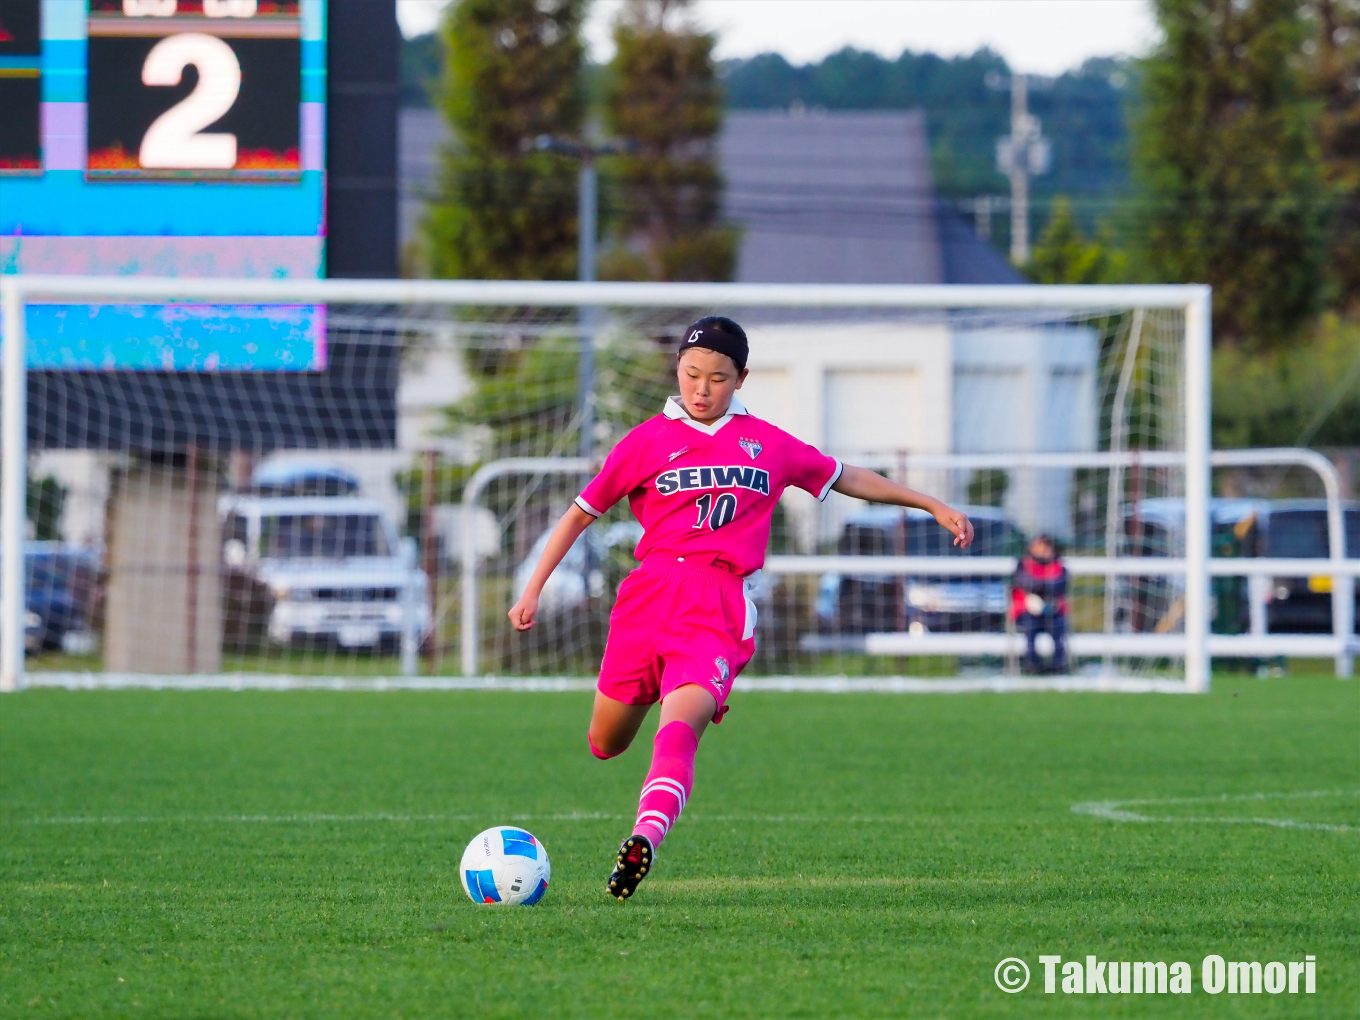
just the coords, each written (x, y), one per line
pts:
(603, 747)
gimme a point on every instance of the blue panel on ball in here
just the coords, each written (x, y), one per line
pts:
(482, 886)
(519, 843)
(538, 893)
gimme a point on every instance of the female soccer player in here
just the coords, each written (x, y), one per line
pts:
(702, 478)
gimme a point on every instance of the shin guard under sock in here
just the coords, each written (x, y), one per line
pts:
(669, 782)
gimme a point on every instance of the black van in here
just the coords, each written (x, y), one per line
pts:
(1297, 529)
(865, 604)
(1279, 528)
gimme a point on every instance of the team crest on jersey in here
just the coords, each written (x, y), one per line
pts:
(723, 671)
(751, 447)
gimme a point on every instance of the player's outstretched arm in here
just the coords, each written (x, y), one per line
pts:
(568, 530)
(865, 484)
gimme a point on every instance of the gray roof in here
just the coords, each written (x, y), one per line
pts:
(843, 197)
(421, 134)
(831, 198)
(967, 257)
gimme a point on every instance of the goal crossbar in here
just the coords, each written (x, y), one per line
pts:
(624, 295)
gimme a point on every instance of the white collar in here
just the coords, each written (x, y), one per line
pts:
(675, 410)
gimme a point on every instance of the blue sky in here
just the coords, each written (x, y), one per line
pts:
(1038, 36)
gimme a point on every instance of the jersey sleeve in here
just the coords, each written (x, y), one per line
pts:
(812, 470)
(618, 476)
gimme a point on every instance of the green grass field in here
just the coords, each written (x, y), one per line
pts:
(172, 854)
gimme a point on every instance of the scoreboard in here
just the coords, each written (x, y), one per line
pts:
(209, 88)
(169, 138)
(20, 86)
(188, 138)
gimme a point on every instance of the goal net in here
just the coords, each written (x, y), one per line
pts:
(355, 478)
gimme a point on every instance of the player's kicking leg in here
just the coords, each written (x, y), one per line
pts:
(685, 713)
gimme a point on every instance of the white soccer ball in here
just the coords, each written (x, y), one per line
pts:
(505, 866)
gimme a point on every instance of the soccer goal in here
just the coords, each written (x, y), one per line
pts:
(318, 481)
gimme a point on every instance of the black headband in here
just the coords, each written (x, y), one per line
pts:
(716, 340)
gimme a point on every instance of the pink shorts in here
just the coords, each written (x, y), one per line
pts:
(674, 624)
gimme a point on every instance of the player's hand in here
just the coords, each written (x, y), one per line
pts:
(522, 613)
(957, 524)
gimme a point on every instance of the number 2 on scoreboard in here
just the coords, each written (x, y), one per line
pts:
(176, 140)
(717, 512)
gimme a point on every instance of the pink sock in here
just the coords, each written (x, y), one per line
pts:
(669, 782)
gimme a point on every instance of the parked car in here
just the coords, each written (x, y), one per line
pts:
(582, 573)
(1285, 529)
(62, 585)
(1297, 529)
(1156, 527)
(862, 604)
(317, 569)
(303, 478)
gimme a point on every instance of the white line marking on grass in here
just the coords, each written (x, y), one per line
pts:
(292, 682)
(762, 684)
(321, 819)
(304, 819)
(747, 882)
(1117, 810)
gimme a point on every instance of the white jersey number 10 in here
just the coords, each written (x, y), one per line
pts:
(715, 513)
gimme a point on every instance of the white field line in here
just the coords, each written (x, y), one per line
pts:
(322, 819)
(724, 883)
(1112, 810)
(1118, 810)
(780, 684)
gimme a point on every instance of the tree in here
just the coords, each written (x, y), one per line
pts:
(1062, 253)
(46, 499)
(1334, 70)
(1226, 162)
(512, 72)
(525, 399)
(1306, 394)
(421, 57)
(664, 98)
(1082, 111)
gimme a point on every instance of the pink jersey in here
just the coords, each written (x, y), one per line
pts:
(705, 493)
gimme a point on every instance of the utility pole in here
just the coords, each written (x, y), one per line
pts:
(587, 206)
(587, 218)
(982, 208)
(1022, 154)
(982, 216)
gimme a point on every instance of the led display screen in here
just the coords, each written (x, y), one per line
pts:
(20, 86)
(180, 138)
(194, 88)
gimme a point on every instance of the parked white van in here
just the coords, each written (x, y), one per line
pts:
(333, 567)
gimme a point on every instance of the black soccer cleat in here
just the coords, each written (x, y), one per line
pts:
(634, 861)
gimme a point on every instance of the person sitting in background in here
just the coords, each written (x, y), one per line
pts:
(1039, 603)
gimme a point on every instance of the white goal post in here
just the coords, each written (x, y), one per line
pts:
(1136, 357)
(403, 312)
(1191, 302)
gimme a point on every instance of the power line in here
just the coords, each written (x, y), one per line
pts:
(1332, 402)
